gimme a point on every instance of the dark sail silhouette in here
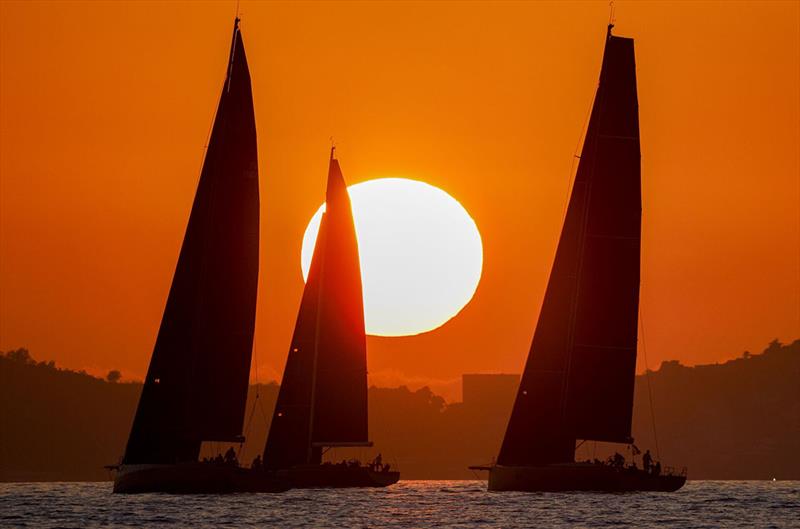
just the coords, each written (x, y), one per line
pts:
(340, 393)
(323, 395)
(197, 381)
(578, 379)
(322, 401)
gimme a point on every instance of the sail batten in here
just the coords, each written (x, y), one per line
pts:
(578, 380)
(196, 384)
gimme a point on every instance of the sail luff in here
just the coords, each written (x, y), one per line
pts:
(289, 438)
(578, 378)
(322, 237)
(196, 384)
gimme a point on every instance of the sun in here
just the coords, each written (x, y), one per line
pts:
(420, 251)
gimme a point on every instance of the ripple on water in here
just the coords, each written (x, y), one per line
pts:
(408, 504)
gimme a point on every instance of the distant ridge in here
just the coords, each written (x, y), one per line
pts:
(735, 420)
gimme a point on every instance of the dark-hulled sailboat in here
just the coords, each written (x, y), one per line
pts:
(322, 401)
(578, 380)
(197, 381)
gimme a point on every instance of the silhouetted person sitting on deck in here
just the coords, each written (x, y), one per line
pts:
(218, 460)
(647, 461)
(257, 463)
(617, 460)
(230, 458)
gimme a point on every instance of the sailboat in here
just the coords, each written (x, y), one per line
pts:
(322, 402)
(197, 381)
(579, 377)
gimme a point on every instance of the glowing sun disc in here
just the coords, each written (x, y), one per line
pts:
(420, 251)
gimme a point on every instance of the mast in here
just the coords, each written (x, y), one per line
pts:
(323, 395)
(578, 380)
(196, 383)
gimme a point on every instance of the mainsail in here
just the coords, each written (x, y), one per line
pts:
(323, 395)
(578, 380)
(197, 381)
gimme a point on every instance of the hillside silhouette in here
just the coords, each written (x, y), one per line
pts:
(736, 420)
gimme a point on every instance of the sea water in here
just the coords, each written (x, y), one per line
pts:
(408, 504)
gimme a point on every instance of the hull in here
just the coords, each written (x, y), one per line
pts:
(195, 478)
(337, 476)
(579, 477)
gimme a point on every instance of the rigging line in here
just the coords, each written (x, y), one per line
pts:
(232, 57)
(584, 212)
(249, 423)
(255, 358)
(228, 70)
(647, 378)
(261, 409)
(576, 155)
(258, 389)
(210, 130)
(211, 124)
(208, 137)
(192, 362)
(320, 289)
(573, 173)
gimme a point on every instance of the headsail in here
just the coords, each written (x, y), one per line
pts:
(578, 380)
(323, 395)
(289, 439)
(197, 381)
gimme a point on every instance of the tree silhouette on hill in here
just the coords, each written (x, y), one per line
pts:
(736, 420)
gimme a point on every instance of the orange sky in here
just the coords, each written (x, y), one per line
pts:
(105, 107)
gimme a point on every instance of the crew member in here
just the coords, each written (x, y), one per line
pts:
(230, 457)
(647, 461)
